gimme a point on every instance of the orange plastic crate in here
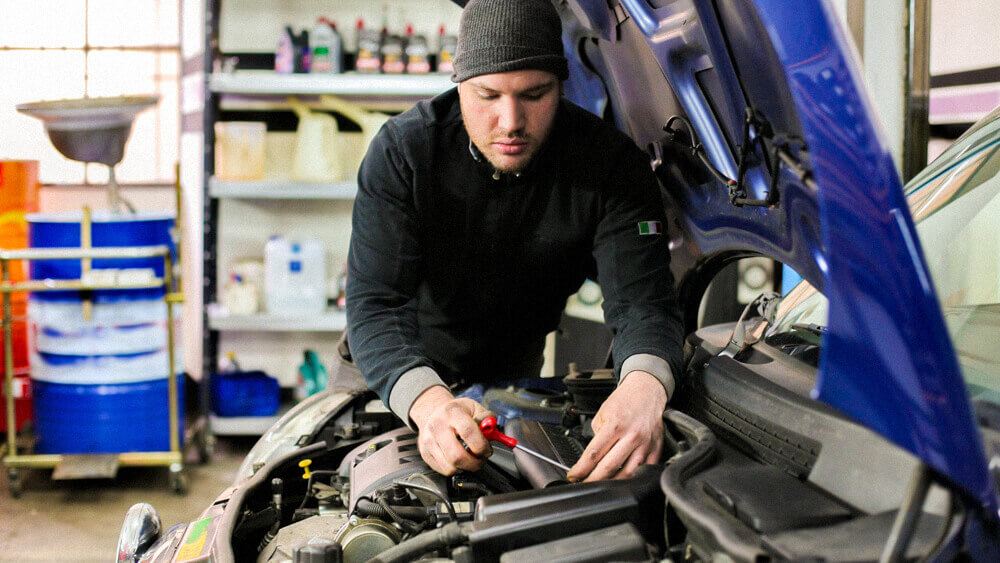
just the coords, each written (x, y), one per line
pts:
(19, 185)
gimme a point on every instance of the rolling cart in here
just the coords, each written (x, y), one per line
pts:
(89, 465)
(95, 130)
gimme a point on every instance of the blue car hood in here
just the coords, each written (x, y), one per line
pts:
(839, 219)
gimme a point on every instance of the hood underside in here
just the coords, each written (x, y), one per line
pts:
(793, 167)
(771, 92)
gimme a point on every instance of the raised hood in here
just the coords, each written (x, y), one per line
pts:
(818, 192)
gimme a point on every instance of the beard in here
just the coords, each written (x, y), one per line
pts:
(506, 163)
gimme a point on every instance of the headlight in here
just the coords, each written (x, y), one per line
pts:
(284, 435)
(141, 529)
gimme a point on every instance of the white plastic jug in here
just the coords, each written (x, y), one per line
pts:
(294, 277)
(317, 154)
(369, 121)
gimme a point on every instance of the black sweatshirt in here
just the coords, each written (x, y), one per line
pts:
(457, 276)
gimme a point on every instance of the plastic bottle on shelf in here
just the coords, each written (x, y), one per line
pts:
(447, 45)
(240, 296)
(384, 31)
(336, 50)
(369, 49)
(321, 46)
(302, 54)
(228, 363)
(295, 274)
(284, 54)
(391, 47)
(312, 376)
(392, 55)
(417, 61)
(369, 121)
(315, 157)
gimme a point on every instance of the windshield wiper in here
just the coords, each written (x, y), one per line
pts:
(743, 338)
(814, 329)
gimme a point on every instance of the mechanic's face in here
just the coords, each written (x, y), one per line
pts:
(508, 115)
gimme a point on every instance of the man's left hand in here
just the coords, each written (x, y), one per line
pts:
(628, 431)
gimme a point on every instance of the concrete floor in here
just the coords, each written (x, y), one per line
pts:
(80, 520)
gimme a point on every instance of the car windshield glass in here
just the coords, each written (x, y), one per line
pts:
(956, 210)
(970, 141)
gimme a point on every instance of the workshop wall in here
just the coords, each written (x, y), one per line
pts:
(963, 35)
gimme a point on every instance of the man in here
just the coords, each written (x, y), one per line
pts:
(478, 213)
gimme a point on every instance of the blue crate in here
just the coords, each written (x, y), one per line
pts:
(245, 393)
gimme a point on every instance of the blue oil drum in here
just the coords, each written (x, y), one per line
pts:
(60, 230)
(100, 382)
(114, 418)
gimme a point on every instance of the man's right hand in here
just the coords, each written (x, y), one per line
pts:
(441, 421)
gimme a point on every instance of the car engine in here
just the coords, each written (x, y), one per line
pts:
(751, 470)
(370, 495)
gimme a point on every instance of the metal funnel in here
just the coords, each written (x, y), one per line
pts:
(90, 129)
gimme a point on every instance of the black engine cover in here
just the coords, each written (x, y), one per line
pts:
(514, 520)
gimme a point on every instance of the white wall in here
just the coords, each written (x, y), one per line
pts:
(964, 35)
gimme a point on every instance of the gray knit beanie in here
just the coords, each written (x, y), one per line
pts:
(505, 35)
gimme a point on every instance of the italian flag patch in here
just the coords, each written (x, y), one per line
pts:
(651, 228)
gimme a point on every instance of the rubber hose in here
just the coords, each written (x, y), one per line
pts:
(445, 536)
(368, 508)
(409, 526)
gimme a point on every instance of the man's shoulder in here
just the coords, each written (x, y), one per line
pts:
(415, 124)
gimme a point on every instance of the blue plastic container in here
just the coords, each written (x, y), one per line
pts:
(84, 419)
(245, 393)
(59, 230)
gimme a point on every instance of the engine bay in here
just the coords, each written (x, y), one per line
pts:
(751, 468)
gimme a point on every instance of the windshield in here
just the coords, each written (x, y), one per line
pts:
(956, 206)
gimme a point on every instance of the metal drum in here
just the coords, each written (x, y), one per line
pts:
(99, 377)
(113, 418)
(63, 230)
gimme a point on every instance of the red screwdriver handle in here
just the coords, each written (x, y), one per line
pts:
(493, 434)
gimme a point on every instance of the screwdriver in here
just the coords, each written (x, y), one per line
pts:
(489, 428)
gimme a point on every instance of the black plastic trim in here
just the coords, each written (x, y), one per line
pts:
(731, 535)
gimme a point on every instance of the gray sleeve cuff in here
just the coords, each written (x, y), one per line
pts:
(408, 387)
(653, 365)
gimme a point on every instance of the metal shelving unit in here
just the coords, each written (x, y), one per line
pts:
(263, 90)
(330, 321)
(265, 82)
(280, 189)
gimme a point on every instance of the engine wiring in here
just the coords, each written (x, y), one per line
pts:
(309, 486)
(756, 130)
(409, 526)
(418, 487)
(697, 149)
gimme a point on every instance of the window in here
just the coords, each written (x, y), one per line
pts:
(57, 49)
